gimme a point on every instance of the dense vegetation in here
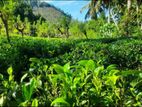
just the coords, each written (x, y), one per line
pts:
(71, 63)
(86, 83)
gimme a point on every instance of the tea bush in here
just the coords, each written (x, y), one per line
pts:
(18, 52)
(125, 52)
(86, 83)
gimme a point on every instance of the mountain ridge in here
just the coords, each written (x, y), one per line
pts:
(49, 11)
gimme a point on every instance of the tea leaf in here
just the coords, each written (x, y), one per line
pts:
(1, 77)
(23, 77)
(10, 70)
(2, 99)
(35, 103)
(66, 67)
(90, 65)
(59, 69)
(25, 92)
(61, 100)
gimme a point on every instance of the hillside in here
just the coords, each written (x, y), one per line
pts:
(49, 12)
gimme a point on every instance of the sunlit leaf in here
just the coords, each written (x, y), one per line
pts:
(59, 69)
(61, 100)
(25, 92)
(2, 99)
(10, 70)
(66, 67)
(32, 86)
(23, 77)
(1, 77)
(98, 70)
(90, 65)
(35, 103)
(83, 62)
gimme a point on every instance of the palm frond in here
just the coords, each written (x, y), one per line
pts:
(85, 7)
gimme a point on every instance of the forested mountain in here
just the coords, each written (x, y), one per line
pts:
(47, 10)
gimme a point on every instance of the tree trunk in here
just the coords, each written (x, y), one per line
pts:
(139, 24)
(7, 31)
(109, 13)
(60, 31)
(5, 22)
(128, 5)
(85, 33)
(127, 16)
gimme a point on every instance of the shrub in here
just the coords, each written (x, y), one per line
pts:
(20, 50)
(86, 83)
(125, 52)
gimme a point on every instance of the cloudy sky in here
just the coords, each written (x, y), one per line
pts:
(72, 7)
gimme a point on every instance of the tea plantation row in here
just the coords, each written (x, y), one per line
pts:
(126, 53)
(33, 78)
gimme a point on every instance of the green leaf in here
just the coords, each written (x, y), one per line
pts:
(59, 69)
(25, 92)
(98, 70)
(61, 100)
(111, 67)
(28, 89)
(83, 62)
(140, 75)
(113, 72)
(130, 72)
(23, 104)
(32, 86)
(23, 77)
(35, 103)
(34, 60)
(90, 65)
(2, 100)
(1, 77)
(67, 67)
(10, 70)
(11, 77)
(111, 80)
(76, 80)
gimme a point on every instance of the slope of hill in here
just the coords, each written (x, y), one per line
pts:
(49, 12)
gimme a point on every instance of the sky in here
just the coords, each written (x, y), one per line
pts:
(71, 7)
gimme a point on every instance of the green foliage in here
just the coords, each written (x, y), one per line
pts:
(63, 26)
(108, 30)
(18, 53)
(25, 11)
(86, 83)
(125, 52)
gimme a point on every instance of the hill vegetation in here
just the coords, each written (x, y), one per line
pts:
(71, 63)
(49, 12)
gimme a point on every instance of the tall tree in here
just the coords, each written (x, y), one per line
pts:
(120, 7)
(4, 15)
(6, 8)
(96, 6)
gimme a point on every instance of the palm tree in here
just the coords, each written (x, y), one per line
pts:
(94, 7)
(97, 6)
